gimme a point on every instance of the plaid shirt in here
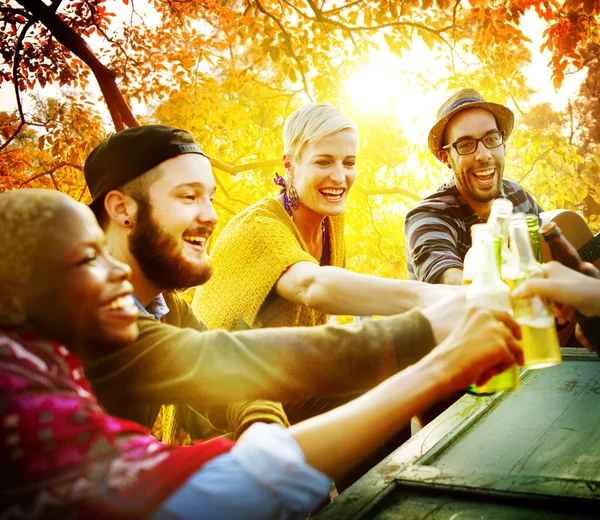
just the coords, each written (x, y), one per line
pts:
(438, 230)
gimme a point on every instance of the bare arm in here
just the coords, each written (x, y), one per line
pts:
(334, 290)
(479, 347)
(452, 276)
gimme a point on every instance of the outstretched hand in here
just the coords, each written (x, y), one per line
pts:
(564, 286)
(482, 344)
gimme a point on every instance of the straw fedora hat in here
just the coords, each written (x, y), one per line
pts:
(462, 100)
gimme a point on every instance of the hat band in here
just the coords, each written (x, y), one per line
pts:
(463, 102)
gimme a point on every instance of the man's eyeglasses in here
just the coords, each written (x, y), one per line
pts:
(467, 146)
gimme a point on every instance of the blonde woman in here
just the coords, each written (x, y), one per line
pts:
(281, 262)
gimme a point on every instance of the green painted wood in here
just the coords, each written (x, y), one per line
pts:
(414, 504)
(547, 428)
(534, 453)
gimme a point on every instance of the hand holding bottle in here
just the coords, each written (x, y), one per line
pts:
(565, 286)
(481, 345)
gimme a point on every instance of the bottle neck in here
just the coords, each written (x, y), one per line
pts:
(489, 271)
(499, 227)
(562, 250)
(487, 289)
(521, 245)
(534, 235)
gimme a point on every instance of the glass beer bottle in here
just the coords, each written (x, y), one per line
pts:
(498, 225)
(533, 226)
(472, 258)
(488, 291)
(564, 252)
(539, 338)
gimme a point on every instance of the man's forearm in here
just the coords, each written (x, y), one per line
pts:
(184, 366)
(452, 276)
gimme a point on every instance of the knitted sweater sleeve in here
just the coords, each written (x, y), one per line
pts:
(236, 417)
(250, 255)
(184, 366)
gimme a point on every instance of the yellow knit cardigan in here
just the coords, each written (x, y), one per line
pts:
(252, 252)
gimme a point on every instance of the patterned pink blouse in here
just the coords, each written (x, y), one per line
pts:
(63, 456)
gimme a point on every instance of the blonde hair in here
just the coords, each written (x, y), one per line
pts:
(311, 123)
(26, 215)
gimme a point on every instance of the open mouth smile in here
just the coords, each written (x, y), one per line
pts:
(333, 194)
(196, 242)
(485, 178)
(123, 306)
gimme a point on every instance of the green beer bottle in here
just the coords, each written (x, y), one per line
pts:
(540, 340)
(488, 291)
(533, 226)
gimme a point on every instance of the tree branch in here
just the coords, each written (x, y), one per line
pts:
(514, 100)
(54, 182)
(388, 191)
(120, 113)
(415, 25)
(10, 10)
(226, 193)
(222, 206)
(82, 193)
(539, 158)
(288, 42)
(342, 8)
(379, 234)
(51, 171)
(103, 32)
(571, 133)
(16, 63)
(11, 176)
(234, 170)
(305, 16)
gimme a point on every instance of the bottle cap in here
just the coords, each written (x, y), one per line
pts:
(550, 231)
(502, 207)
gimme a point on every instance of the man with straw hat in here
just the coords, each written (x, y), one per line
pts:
(469, 137)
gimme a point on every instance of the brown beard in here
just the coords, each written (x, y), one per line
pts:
(158, 255)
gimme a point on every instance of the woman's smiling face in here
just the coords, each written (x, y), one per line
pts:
(325, 172)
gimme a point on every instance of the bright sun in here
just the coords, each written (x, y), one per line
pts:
(372, 89)
(412, 87)
(385, 87)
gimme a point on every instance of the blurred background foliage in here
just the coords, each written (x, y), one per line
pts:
(231, 72)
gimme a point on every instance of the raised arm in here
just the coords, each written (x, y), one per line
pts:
(333, 290)
(184, 366)
(479, 347)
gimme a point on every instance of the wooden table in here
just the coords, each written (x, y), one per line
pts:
(529, 454)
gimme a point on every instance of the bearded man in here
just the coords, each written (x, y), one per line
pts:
(153, 189)
(469, 137)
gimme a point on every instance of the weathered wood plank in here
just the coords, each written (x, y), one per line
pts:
(539, 445)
